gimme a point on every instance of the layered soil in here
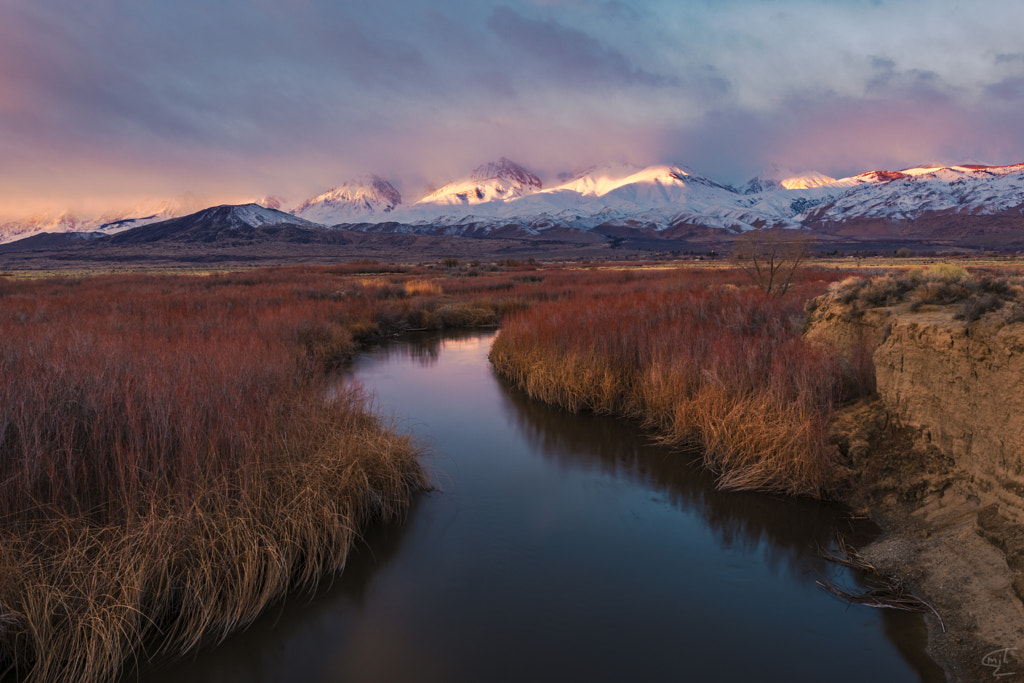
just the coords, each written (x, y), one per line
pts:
(939, 456)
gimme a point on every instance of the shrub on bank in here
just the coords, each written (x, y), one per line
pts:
(974, 295)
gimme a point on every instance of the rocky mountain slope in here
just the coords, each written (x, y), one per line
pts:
(227, 224)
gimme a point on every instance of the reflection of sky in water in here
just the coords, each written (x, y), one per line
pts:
(563, 547)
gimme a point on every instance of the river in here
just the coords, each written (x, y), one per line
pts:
(562, 547)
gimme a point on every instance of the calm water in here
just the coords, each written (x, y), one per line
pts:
(566, 548)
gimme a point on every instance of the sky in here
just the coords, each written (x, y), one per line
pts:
(112, 101)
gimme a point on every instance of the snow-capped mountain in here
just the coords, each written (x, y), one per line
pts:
(662, 197)
(657, 194)
(501, 193)
(498, 181)
(915, 192)
(254, 216)
(47, 221)
(351, 201)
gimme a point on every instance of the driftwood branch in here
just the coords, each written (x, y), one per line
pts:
(887, 593)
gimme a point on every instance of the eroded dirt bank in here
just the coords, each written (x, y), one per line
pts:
(939, 461)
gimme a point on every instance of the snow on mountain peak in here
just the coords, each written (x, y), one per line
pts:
(915, 192)
(505, 169)
(775, 177)
(109, 222)
(254, 216)
(496, 181)
(360, 197)
(602, 180)
(806, 180)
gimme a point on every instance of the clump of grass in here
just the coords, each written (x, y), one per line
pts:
(721, 370)
(464, 315)
(947, 272)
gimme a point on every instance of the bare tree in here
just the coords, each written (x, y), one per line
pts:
(771, 256)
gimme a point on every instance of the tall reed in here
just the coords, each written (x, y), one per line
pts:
(173, 458)
(717, 369)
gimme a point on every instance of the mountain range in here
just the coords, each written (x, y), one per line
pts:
(972, 205)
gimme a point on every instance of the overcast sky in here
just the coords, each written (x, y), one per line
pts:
(109, 100)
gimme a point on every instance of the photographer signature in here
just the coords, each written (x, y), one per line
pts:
(997, 659)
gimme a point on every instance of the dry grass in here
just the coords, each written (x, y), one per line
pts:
(174, 457)
(711, 367)
(196, 562)
(420, 287)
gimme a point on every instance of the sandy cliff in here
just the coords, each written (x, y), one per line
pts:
(939, 459)
(962, 386)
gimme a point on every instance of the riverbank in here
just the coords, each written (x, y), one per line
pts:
(513, 550)
(170, 466)
(939, 449)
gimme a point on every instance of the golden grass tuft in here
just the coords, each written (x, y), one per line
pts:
(422, 287)
(719, 370)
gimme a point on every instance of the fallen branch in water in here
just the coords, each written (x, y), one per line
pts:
(848, 556)
(888, 593)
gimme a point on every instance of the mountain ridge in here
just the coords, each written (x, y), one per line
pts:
(503, 197)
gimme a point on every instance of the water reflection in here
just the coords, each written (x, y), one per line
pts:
(294, 640)
(791, 531)
(565, 547)
(423, 348)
